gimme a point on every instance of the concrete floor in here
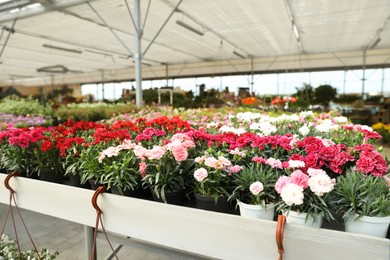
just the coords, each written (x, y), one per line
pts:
(68, 239)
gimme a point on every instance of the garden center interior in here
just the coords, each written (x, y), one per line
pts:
(134, 55)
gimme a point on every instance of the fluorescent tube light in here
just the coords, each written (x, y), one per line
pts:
(190, 28)
(98, 52)
(61, 48)
(239, 55)
(296, 32)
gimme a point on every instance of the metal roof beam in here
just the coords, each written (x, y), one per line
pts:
(130, 53)
(162, 27)
(44, 7)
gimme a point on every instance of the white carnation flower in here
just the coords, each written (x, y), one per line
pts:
(267, 128)
(321, 184)
(292, 194)
(304, 130)
(305, 114)
(341, 119)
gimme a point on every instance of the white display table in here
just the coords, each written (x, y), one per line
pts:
(201, 232)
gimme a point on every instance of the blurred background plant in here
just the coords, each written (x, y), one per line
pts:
(92, 112)
(23, 106)
(383, 130)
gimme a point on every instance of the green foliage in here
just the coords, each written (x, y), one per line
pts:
(9, 250)
(247, 176)
(121, 171)
(305, 96)
(150, 96)
(167, 175)
(324, 94)
(313, 205)
(374, 99)
(365, 195)
(90, 166)
(15, 158)
(183, 100)
(347, 98)
(23, 107)
(208, 98)
(92, 112)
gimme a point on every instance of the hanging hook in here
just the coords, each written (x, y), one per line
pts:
(98, 191)
(6, 181)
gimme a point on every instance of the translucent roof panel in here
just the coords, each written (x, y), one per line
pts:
(203, 37)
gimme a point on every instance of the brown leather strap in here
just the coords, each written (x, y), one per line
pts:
(12, 198)
(279, 235)
(99, 219)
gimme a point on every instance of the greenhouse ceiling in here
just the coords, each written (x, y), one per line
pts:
(44, 42)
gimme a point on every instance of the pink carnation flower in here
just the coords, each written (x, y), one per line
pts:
(199, 159)
(200, 174)
(237, 152)
(299, 178)
(142, 169)
(140, 151)
(180, 153)
(155, 153)
(213, 163)
(109, 152)
(224, 161)
(256, 187)
(282, 181)
(235, 169)
(275, 163)
(259, 160)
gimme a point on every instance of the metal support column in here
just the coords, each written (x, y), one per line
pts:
(383, 80)
(252, 76)
(364, 71)
(88, 235)
(166, 75)
(102, 84)
(138, 52)
(345, 80)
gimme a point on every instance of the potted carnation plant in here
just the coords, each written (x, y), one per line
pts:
(305, 197)
(213, 178)
(119, 169)
(166, 168)
(17, 146)
(47, 160)
(255, 190)
(364, 202)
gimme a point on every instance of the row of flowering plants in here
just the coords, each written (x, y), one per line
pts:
(294, 161)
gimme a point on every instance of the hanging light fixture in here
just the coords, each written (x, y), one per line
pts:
(239, 54)
(61, 48)
(189, 27)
